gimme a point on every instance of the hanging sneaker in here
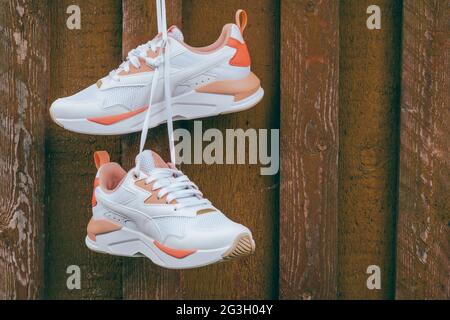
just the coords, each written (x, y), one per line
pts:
(203, 82)
(158, 213)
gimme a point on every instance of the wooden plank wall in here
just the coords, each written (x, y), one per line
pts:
(79, 59)
(142, 279)
(309, 149)
(368, 118)
(423, 268)
(24, 73)
(239, 190)
(318, 226)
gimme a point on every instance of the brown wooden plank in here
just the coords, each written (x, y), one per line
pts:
(142, 279)
(309, 149)
(24, 74)
(79, 58)
(368, 117)
(423, 268)
(239, 190)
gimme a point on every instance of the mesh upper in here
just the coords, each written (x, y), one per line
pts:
(177, 226)
(134, 97)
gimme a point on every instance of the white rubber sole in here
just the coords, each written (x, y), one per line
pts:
(192, 105)
(130, 243)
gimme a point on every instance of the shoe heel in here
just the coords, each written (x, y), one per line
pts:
(107, 237)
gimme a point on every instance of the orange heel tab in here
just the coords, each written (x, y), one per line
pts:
(101, 158)
(241, 20)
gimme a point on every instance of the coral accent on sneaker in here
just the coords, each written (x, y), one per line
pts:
(159, 162)
(176, 253)
(240, 89)
(101, 158)
(242, 57)
(109, 120)
(94, 199)
(153, 199)
(99, 227)
(241, 23)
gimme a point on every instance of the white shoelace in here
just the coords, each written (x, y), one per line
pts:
(134, 58)
(176, 186)
(165, 62)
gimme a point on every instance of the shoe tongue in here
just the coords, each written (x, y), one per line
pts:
(151, 160)
(176, 33)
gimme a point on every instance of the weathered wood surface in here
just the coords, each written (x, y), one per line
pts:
(24, 75)
(368, 118)
(141, 278)
(309, 149)
(322, 47)
(239, 190)
(423, 267)
(79, 59)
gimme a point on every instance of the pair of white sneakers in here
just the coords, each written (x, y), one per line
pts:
(154, 210)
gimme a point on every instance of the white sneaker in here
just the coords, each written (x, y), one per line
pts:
(204, 82)
(160, 215)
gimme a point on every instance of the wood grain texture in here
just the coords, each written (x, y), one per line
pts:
(423, 268)
(239, 190)
(249, 278)
(368, 159)
(309, 149)
(142, 279)
(24, 74)
(79, 59)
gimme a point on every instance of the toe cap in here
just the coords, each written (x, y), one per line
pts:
(83, 104)
(66, 108)
(210, 232)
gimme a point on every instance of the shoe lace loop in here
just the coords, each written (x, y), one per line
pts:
(176, 186)
(138, 54)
